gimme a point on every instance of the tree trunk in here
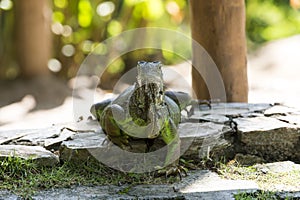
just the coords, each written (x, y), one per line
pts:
(33, 36)
(219, 26)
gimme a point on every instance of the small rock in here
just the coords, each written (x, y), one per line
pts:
(289, 195)
(279, 167)
(248, 160)
(42, 156)
(7, 195)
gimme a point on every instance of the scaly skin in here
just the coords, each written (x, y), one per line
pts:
(144, 111)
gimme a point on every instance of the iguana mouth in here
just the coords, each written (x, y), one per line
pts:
(150, 93)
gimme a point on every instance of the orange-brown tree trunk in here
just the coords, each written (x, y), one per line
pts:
(219, 26)
(33, 36)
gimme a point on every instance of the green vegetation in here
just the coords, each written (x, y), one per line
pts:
(261, 195)
(79, 26)
(92, 22)
(271, 19)
(24, 177)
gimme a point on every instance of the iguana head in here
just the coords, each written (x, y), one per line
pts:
(150, 78)
(149, 97)
(149, 72)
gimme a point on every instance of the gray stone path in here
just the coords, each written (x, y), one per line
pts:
(156, 192)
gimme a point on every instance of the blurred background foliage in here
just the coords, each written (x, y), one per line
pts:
(271, 19)
(79, 26)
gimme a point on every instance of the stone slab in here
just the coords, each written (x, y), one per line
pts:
(6, 195)
(278, 167)
(196, 139)
(143, 192)
(40, 136)
(279, 110)
(54, 143)
(201, 130)
(290, 195)
(231, 109)
(293, 119)
(77, 149)
(40, 155)
(140, 192)
(268, 138)
(207, 181)
(261, 124)
(217, 118)
(49, 137)
(199, 140)
(10, 135)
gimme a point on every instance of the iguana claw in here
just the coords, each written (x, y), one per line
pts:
(173, 170)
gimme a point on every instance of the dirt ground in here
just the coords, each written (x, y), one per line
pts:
(273, 73)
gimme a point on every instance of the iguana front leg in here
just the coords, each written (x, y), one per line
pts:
(108, 121)
(170, 136)
(98, 108)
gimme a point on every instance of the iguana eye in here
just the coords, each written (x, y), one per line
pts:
(141, 62)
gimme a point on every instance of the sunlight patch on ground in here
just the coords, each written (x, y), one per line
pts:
(40, 118)
(16, 111)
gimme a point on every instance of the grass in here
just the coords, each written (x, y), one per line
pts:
(25, 178)
(260, 195)
(267, 181)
